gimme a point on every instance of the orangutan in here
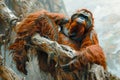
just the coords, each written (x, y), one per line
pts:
(81, 32)
(76, 32)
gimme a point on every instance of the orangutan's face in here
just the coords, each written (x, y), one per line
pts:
(78, 24)
(77, 28)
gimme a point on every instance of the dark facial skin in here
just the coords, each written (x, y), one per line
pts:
(76, 29)
(79, 23)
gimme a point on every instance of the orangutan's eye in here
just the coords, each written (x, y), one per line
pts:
(83, 16)
(86, 18)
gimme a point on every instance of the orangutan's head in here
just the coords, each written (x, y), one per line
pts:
(80, 23)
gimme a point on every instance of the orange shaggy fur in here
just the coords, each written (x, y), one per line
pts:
(87, 51)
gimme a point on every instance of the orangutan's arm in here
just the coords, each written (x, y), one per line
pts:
(56, 15)
(59, 18)
(90, 52)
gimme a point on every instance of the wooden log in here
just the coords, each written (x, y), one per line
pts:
(52, 47)
(7, 73)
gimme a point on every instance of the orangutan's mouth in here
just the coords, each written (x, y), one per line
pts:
(73, 35)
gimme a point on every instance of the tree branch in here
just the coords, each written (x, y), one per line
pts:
(52, 47)
(94, 72)
(6, 14)
(6, 73)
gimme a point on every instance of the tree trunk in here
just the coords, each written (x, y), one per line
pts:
(7, 14)
(6, 73)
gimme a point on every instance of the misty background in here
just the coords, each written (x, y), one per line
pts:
(107, 24)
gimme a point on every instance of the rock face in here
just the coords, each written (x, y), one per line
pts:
(24, 7)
